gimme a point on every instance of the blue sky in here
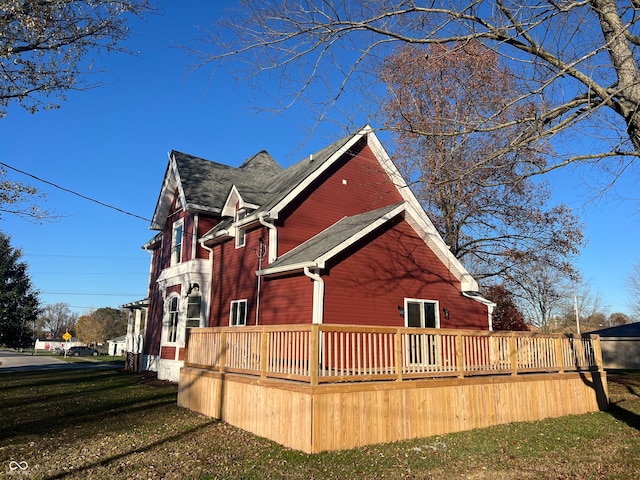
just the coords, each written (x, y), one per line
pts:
(111, 144)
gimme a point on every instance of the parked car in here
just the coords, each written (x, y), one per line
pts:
(82, 351)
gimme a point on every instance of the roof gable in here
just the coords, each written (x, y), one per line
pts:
(296, 178)
(317, 250)
(204, 186)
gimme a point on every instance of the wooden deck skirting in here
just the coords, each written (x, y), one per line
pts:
(329, 387)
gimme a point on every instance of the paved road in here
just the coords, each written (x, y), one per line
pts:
(15, 361)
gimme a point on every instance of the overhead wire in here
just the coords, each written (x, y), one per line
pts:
(85, 197)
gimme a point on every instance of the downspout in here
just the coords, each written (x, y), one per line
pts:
(318, 296)
(273, 236)
(210, 250)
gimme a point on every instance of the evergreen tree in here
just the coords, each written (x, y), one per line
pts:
(19, 303)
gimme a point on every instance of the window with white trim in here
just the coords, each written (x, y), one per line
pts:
(421, 313)
(174, 318)
(240, 233)
(194, 303)
(176, 242)
(238, 315)
(421, 349)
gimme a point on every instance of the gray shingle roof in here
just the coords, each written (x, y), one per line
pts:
(629, 330)
(288, 180)
(206, 184)
(333, 239)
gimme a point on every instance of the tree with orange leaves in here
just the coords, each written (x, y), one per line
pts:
(443, 107)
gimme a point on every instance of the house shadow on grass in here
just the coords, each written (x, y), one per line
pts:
(108, 460)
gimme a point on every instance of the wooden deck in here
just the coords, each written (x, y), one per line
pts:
(330, 387)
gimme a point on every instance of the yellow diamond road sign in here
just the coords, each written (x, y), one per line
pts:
(66, 336)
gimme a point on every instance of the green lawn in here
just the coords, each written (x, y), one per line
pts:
(107, 424)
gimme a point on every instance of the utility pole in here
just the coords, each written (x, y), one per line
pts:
(575, 304)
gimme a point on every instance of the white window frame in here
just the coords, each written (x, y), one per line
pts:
(190, 321)
(422, 349)
(241, 235)
(422, 302)
(177, 248)
(171, 332)
(234, 322)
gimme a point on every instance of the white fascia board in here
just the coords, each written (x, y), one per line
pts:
(394, 174)
(183, 199)
(286, 268)
(161, 211)
(275, 211)
(321, 261)
(423, 226)
(220, 233)
(419, 219)
(229, 208)
(479, 298)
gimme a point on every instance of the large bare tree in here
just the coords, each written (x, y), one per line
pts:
(491, 218)
(633, 289)
(576, 59)
(45, 45)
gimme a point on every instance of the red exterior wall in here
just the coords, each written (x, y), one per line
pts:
(234, 277)
(367, 188)
(168, 353)
(286, 300)
(161, 259)
(153, 332)
(367, 284)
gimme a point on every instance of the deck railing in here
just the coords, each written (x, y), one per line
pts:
(336, 353)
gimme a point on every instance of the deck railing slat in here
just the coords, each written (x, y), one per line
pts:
(332, 353)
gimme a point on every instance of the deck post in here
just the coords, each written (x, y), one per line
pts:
(398, 355)
(513, 354)
(559, 356)
(597, 347)
(223, 351)
(459, 355)
(314, 354)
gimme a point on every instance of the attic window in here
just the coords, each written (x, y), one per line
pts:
(240, 233)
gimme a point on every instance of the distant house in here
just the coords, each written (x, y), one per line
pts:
(116, 346)
(54, 344)
(136, 327)
(337, 238)
(620, 346)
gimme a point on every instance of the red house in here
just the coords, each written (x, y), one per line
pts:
(337, 238)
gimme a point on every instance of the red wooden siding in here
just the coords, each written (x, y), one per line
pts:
(367, 188)
(173, 289)
(154, 324)
(367, 284)
(204, 225)
(168, 353)
(286, 300)
(234, 277)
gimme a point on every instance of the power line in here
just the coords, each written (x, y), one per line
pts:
(73, 192)
(93, 294)
(71, 255)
